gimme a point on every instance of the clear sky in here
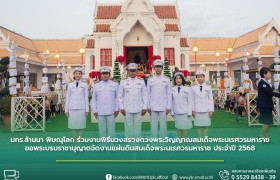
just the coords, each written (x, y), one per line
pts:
(59, 19)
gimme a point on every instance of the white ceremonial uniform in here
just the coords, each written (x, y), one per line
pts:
(133, 99)
(77, 104)
(105, 103)
(182, 107)
(159, 99)
(203, 103)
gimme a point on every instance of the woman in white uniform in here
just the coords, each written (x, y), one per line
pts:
(203, 105)
(77, 104)
(181, 105)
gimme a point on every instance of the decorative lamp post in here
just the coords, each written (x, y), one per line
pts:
(218, 54)
(13, 70)
(26, 73)
(276, 76)
(229, 50)
(259, 60)
(195, 51)
(45, 81)
(82, 52)
(226, 79)
(213, 73)
(247, 81)
(64, 81)
(58, 81)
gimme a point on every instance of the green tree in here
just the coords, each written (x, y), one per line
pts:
(166, 69)
(117, 72)
(4, 74)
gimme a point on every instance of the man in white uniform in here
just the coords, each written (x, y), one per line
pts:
(133, 101)
(159, 100)
(77, 104)
(105, 103)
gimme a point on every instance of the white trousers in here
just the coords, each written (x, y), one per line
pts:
(158, 117)
(133, 125)
(106, 125)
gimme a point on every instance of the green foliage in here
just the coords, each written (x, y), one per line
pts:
(117, 72)
(188, 83)
(4, 74)
(5, 92)
(166, 69)
(3, 68)
(5, 105)
(273, 64)
(5, 61)
(235, 88)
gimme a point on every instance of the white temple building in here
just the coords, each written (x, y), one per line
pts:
(139, 31)
(136, 30)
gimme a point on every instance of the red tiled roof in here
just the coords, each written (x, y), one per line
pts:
(250, 37)
(4, 53)
(31, 57)
(63, 45)
(108, 12)
(113, 11)
(90, 43)
(102, 28)
(267, 49)
(240, 53)
(73, 59)
(166, 11)
(213, 44)
(207, 58)
(19, 39)
(184, 42)
(171, 27)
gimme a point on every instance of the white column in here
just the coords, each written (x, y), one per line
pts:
(97, 53)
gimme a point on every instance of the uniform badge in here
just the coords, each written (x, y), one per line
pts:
(264, 86)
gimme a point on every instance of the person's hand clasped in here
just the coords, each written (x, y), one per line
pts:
(116, 113)
(168, 111)
(96, 115)
(144, 112)
(123, 112)
(193, 114)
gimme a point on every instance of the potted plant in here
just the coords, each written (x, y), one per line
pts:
(5, 110)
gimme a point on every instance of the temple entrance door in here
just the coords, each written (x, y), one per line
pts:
(140, 56)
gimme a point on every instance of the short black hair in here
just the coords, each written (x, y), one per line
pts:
(158, 66)
(199, 75)
(106, 73)
(182, 77)
(264, 71)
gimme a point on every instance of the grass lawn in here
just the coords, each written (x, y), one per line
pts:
(221, 119)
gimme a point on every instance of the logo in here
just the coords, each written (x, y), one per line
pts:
(174, 177)
(109, 176)
(11, 174)
(224, 175)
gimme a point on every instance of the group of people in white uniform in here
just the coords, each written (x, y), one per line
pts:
(134, 99)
